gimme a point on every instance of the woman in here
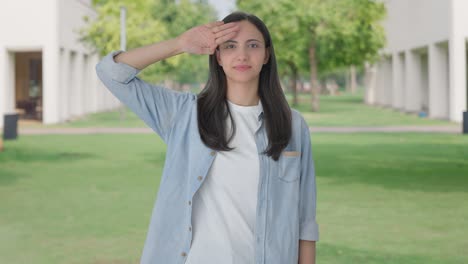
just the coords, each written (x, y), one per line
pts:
(238, 185)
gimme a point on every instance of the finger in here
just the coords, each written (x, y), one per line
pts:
(226, 31)
(214, 24)
(225, 38)
(207, 50)
(219, 28)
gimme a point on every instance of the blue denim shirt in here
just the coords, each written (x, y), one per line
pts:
(286, 190)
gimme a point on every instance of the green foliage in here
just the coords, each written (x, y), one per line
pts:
(150, 21)
(344, 32)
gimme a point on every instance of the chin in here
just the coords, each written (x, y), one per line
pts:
(243, 79)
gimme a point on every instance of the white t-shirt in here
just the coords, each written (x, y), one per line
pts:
(224, 208)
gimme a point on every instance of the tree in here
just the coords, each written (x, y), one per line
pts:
(180, 16)
(334, 33)
(150, 21)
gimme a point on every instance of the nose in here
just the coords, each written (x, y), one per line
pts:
(242, 54)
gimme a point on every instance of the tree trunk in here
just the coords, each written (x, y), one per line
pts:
(314, 84)
(294, 82)
(348, 81)
(353, 79)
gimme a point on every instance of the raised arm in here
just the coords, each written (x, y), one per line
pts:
(155, 105)
(198, 40)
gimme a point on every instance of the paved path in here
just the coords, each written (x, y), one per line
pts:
(142, 130)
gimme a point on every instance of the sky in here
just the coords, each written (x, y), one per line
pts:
(224, 7)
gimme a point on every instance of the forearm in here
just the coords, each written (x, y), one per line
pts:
(144, 56)
(306, 252)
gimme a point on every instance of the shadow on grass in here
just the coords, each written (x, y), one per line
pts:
(410, 166)
(15, 157)
(328, 253)
(34, 155)
(8, 176)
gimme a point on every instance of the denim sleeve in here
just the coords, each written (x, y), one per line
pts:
(308, 227)
(155, 105)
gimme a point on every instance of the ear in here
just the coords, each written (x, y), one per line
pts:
(218, 58)
(267, 56)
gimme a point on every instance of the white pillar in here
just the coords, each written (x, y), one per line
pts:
(73, 85)
(93, 83)
(50, 66)
(412, 86)
(51, 83)
(438, 81)
(387, 82)
(370, 83)
(457, 61)
(79, 83)
(85, 98)
(379, 87)
(424, 81)
(7, 83)
(3, 82)
(64, 84)
(398, 81)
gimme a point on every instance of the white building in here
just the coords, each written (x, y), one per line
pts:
(424, 65)
(45, 72)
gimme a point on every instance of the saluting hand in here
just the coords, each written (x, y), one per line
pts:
(204, 39)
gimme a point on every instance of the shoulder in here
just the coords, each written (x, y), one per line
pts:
(298, 119)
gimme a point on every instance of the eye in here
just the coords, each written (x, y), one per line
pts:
(229, 46)
(253, 45)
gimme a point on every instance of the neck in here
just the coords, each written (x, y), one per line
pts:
(245, 94)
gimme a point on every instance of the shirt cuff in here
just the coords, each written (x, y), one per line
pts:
(309, 231)
(117, 71)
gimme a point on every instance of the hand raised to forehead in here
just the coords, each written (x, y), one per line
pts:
(204, 39)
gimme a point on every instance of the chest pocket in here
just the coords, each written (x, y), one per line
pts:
(289, 166)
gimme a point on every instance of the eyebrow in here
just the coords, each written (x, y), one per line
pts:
(249, 40)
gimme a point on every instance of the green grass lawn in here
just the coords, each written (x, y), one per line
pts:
(343, 110)
(349, 110)
(382, 198)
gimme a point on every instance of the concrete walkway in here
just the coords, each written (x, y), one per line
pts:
(142, 130)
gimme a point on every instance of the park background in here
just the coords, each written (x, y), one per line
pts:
(78, 184)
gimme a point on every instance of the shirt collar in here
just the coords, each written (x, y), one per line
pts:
(260, 110)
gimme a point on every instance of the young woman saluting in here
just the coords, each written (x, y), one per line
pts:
(238, 184)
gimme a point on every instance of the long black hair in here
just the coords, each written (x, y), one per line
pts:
(213, 108)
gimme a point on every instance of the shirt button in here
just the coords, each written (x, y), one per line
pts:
(183, 254)
(199, 178)
(190, 229)
(189, 202)
(212, 153)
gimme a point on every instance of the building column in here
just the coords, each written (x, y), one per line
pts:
(380, 80)
(79, 84)
(412, 85)
(85, 84)
(398, 81)
(457, 95)
(370, 83)
(73, 85)
(64, 84)
(3, 82)
(7, 83)
(388, 82)
(438, 81)
(457, 61)
(95, 84)
(424, 80)
(51, 55)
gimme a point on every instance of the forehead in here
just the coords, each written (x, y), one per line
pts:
(247, 31)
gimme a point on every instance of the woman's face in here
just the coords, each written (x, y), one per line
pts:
(243, 56)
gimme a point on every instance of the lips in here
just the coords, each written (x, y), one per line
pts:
(242, 67)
